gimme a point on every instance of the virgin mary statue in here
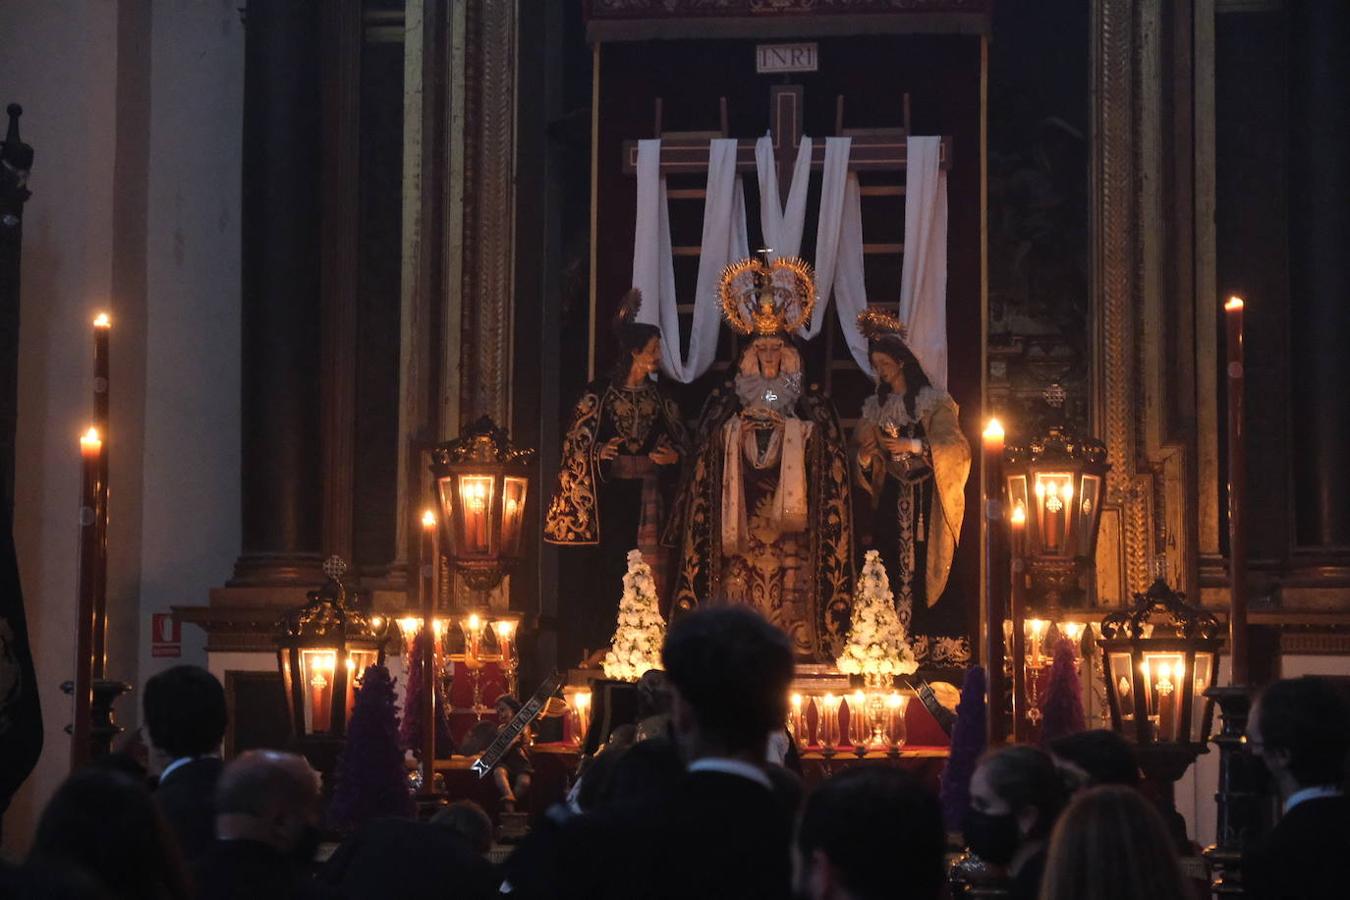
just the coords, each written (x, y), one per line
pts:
(764, 509)
(912, 462)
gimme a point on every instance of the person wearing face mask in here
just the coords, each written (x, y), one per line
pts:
(1300, 729)
(268, 812)
(1016, 794)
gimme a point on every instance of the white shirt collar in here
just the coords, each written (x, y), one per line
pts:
(177, 764)
(1311, 793)
(732, 767)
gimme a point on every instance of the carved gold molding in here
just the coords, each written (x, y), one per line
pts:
(1124, 548)
(489, 207)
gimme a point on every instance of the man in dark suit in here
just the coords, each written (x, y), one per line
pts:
(1300, 728)
(184, 718)
(719, 829)
(433, 861)
(268, 812)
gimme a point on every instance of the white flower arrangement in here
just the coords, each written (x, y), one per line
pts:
(877, 645)
(641, 631)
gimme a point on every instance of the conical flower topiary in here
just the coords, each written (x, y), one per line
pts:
(877, 645)
(969, 739)
(640, 631)
(371, 780)
(1062, 703)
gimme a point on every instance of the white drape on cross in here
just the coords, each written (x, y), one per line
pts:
(839, 248)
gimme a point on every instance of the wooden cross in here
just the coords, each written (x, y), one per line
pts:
(873, 149)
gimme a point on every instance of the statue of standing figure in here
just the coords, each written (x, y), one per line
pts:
(620, 464)
(765, 517)
(912, 461)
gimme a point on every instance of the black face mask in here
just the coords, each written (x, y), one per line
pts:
(993, 839)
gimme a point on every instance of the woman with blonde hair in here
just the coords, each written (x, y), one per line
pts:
(1111, 844)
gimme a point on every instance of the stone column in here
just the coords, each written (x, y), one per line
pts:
(1319, 220)
(282, 499)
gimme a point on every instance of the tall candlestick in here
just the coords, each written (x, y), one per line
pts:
(80, 750)
(994, 576)
(429, 570)
(102, 329)
(1018, 521)
(1237, 490)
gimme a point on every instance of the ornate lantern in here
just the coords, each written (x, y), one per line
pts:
(1057, 482)
(482, 481)
(324, 648)
(1159, 659)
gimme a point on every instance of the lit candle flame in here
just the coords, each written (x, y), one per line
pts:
(428, 519)
(90, 440)
(895, 700)
(102, 321)
(505, 628)
(582, 699)
(993, 432)
(475, 623)
(1019, 515)
(797, 701)
(1234, 304)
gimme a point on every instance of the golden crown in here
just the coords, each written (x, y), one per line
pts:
(767, 298)
(876, 323)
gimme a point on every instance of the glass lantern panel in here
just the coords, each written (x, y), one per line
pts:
(357, 663)
(1053, 495)
(1122, 686)
(317, 669)
(1164, 681)
(513, 514)
(1088, 499)
(477, 494)
(1017, 498)
(1204, 678)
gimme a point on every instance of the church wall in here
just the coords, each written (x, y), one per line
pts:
(133, 112)
(69, 119)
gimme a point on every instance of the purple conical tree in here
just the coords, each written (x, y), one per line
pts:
(969, 739)
(410, 733)
(1062, 703)
(371, 779)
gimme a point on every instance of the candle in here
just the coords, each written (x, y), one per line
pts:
(1167, 703)
(796, 721)
(581, 702)
(321, 690)
(90, 447)
(1018, 522)
(828, 726)
(1038, 628)
(1237, 489)
(857, 719)
(994, 577)
(429, 555)
(102, 328)
(895, 718)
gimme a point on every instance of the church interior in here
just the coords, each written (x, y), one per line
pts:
(479, 342)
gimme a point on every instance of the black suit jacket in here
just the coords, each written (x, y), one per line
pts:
(432, 861)
(716, 836)
(187, 800)
(1304, 856)
(248, 870)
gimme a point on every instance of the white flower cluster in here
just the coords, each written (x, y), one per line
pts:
(641, 631)
(876, 640)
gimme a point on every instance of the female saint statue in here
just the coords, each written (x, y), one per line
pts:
(619, 466)
(765, 517)
(912, 462)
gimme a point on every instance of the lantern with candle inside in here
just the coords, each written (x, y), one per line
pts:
(482, 482)
(1159, 660)
(324, 648)
(1055, 485)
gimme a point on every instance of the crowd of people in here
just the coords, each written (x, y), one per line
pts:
(688, 806)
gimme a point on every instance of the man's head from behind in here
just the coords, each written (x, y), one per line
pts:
(1096, 756)
(1300, 727)
(272, 798)
(184, 712)
(862, 827)
(730, 671)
